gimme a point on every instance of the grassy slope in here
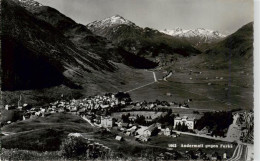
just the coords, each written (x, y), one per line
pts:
(43, 134)
(123, 79)
(15, 154)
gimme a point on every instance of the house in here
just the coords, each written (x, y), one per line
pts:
(190, 122)
(225, 156)
(141, 130)
(205, 130)
(128, 133)
(26, 116)
(132, 118)
(144, 138)
(159, 126)
(119, 138)
(149, 130)
(119, 124)
(8, 107)
(125, 125)
(107, 121)
(167, 132)
(215, 156)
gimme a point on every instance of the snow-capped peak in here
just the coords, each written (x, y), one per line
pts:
(111, 21)
(30, 3)
(206, 34)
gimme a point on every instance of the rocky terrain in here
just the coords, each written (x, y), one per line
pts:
(141, 41)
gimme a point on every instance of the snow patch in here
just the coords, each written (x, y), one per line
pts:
(206, 34)
(108, 22)
(31, 3)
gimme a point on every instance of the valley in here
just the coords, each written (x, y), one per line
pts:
(112, 90)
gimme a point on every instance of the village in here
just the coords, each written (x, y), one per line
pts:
(111, 110)
(117, 113)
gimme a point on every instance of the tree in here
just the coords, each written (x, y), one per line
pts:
(184, 127)
(155, 132)
(140, 120)
(122, 96)
(125, 118)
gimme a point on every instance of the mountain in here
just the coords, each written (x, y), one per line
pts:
(197, 36)
(36, 55)
(110, 22)
(82, 37)
(233, 53)
(236, 49)
(44, 48)
(145, 42)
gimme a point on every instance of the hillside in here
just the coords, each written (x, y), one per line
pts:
(236, 49)
(83, 38)
(223, 73)
(37, 55)
(49, 132)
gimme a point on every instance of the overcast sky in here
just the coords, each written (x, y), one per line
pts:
(225, 16)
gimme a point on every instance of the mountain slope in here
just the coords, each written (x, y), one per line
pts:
(36, 55)
(196, 37)
(236, 49)
(82, 37)
(141, 41)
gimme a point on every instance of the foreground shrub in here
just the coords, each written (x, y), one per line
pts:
(74, 147)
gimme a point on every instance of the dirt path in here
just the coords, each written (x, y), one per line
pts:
(155, 80)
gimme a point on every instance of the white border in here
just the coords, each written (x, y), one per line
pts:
(257, 80)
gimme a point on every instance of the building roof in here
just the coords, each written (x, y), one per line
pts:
(151, 127)
(185, 118)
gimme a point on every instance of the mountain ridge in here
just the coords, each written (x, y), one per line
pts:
(82, 37)
(145, 42)
(195, 36)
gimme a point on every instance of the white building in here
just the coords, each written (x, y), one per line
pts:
(190, 122)
(167, 132)
(106, 122)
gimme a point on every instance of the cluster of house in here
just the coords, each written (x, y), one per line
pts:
(143, 133)
(84, 108)
(78, 107)
(158, 104)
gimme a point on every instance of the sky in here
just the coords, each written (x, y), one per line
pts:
(225, 16)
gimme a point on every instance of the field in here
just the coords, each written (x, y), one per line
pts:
(218, 90)
(14, 154)
(43, 134)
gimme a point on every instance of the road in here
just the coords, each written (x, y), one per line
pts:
(88, 121)
(237, 155)
(155, 80)
(204, 136)
(7, 133)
